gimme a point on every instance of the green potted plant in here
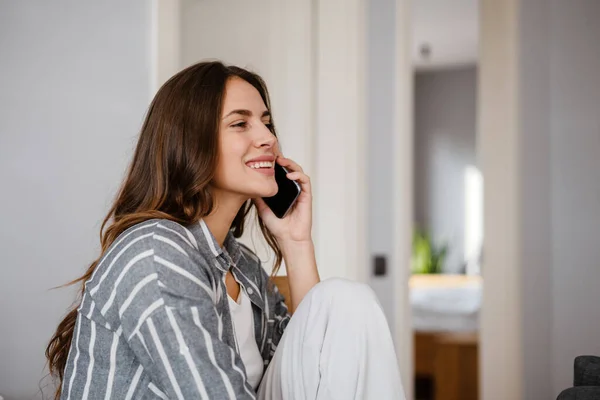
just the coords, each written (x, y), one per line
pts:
(427, 258)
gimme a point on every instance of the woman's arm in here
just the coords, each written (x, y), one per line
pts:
(301, 267)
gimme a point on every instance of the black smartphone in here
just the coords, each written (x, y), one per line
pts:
(287, 194)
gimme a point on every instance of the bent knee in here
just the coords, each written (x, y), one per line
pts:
(346, 291)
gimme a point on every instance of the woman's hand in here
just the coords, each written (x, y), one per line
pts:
(296, 226)
(294, 235)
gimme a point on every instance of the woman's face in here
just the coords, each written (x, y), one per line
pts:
(247, 148)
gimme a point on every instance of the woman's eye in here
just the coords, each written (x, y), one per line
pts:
(242, 124)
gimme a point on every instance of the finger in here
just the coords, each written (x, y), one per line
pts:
(261, 206)
(289, 164)
(301, 178)
(264, 212)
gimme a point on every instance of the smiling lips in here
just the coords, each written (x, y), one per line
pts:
(263, 164)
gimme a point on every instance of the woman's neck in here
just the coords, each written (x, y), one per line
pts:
(220, 219)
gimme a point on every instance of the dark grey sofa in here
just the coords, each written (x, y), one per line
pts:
(586, 380)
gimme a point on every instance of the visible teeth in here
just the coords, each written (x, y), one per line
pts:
(261, 164)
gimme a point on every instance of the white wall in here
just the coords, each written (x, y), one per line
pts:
(388, 150)
(75, 85)
(380, 144)
(540, 136)
(535, 220)
(575, 183)
(450, 28)
(340, 139)
(445, 145)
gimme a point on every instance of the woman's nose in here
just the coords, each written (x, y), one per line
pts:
(266, 138)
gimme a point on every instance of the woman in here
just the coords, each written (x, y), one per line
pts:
(176, 308)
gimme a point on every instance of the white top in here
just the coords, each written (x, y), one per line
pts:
(243, 325)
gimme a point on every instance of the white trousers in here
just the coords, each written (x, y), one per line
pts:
(336, 346)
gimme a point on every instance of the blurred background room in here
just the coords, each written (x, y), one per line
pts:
(446, 285)
(453, 148)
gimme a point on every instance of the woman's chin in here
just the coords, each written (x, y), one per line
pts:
(259, 192)
(269, 191)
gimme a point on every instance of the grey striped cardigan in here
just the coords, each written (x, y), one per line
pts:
(154, 321)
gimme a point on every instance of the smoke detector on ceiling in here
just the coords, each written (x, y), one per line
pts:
(425, 51)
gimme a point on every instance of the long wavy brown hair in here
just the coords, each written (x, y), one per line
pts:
(171, 172)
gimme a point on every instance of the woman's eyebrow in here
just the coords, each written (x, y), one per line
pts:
(247, 113)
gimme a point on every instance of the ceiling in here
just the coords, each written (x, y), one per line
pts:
(451, 30)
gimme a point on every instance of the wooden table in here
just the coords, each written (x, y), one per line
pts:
(449, 359)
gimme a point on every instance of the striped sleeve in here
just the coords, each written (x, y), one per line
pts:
(170, 321)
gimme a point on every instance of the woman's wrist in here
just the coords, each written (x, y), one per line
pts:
(294, 246)
(301, 268)
(298, 255)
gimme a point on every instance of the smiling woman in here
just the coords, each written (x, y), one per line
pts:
(247, 137)
(175, 307)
